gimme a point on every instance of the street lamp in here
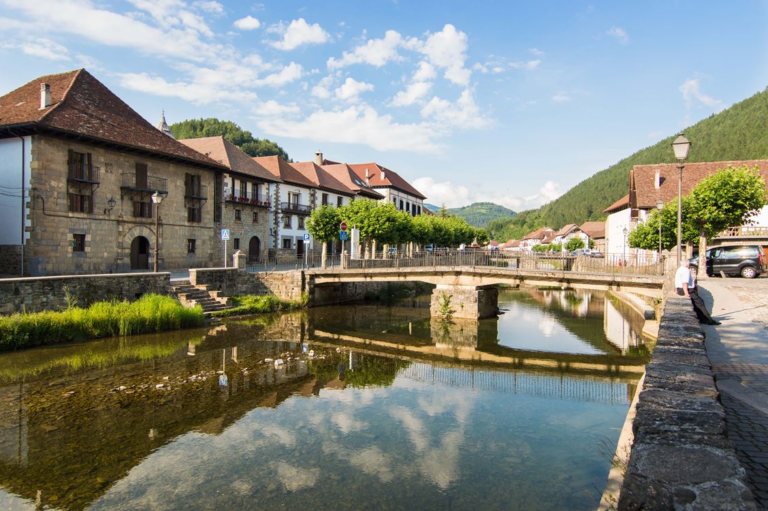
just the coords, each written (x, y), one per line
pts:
(660, 206)
(157, 198)
(624, 256)
(680, 146)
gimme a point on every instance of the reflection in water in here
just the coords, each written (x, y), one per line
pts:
(341, 408)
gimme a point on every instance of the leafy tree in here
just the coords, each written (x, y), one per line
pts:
(443, 212)
(556, 247)
(646, 235)
(212, 127)
(323, 225)
(422, 231)
(481, 236)
(574, 244)
(540, 248)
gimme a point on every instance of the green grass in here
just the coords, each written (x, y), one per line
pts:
(151, 313)
(251, 304)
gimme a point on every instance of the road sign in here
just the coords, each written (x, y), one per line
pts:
(225, 235)
(343, 236)
(306, 238)
(343, 226)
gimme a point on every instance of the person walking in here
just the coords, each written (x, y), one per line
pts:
(685, 285)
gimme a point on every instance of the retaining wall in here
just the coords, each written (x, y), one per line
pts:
(681, 457)
(286, 285)
(35, 294)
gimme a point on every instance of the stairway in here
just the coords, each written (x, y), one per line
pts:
(190, 295)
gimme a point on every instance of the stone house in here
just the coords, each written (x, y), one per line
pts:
(537, 237)
(247, 193)
(346, 176)
(83, 166)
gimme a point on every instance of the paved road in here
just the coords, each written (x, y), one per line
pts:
(738, 351)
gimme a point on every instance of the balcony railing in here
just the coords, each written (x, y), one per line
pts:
(150, 184)
(83, 174)
(196, 192)
(254, 200)
(292, 207)
(744, 231)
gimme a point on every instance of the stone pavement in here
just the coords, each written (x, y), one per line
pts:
(738, 352)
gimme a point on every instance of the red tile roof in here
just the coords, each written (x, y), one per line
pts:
(566, 229)
(278, 167)
(548, 238)
(344, 174)
(643, 179)
(538, 234)
(380, 176)
(228, 154)
(595, 230)
(620, 204)
(81, 105)
(321, 178)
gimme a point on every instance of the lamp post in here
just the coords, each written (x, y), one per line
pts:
(624, 256)
(680, 146)
(660, 206)
(157, 198)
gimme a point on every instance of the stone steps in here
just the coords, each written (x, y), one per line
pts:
(210, 301)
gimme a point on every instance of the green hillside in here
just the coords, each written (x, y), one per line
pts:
(480, 213)
(738, 133)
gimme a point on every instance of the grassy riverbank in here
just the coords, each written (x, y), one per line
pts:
(251, 304)
(151, 313)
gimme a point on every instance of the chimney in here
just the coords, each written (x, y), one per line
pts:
(45, 96)
(657, 182)
(367, 177)
(382, 175)
(319, 158)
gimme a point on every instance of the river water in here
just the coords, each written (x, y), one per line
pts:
(347, 407)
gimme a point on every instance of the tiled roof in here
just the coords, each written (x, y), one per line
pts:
(594, 230)
(643, 179)
(538, 234)
(344, 174)
(390, 178)
(620, 204)
(278, 167)
(566, 229)
(321, 178)
(228, 154)
(510, 244)
(548, 238)
(81, 105)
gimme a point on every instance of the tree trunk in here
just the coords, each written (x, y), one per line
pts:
(324, 257)
(373, 249)
(702, 255)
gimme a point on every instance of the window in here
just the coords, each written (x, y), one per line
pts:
(255, 217)
(287, 221)
(287, 243)
(194, 215)
(254, 191)
(80, 203)
(394, 201)
(238, 215)
(141, 176)
(191, 246)
(78, 244)
(401, 204)
(418, 210)
(192, 186)
(293, 198)
(301, 222)
(339, 201)
(243, 189)
(80, 166)
(325, 199)
(142, 209)
(408, 207)
(237, 243)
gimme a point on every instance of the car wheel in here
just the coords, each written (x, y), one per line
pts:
(748, 272)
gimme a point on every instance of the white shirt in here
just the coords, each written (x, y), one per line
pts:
(684, 276)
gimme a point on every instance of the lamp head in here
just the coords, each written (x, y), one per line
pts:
(111, 202)
(681, 146)
(660, 204)
(157, 197)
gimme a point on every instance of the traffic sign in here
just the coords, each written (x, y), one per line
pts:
(306, 238)
(225, 235)
(343, 236)
(343, 226)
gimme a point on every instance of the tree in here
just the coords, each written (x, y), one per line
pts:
(574, 244)
(728, 198)
(481, 236)
(646, 235)
(212, 127)
(323, 225)
(443, 212)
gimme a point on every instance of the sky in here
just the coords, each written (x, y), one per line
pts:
(504, 101)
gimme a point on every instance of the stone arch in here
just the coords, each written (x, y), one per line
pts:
(124, 248)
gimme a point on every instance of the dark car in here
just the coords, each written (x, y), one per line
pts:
(744, 260)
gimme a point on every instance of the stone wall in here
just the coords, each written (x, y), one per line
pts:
(10, 261)
(681, 457)
(286, 285)
(467, 302)
(34, 294)
(330, 294)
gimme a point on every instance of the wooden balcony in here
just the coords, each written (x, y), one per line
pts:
(249, 200)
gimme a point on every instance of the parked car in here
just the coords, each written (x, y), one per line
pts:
(582, 252)
(744, 260)
(596, 253)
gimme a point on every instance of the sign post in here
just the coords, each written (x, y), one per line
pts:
(306, 250)
(343, 237)
(225, 238)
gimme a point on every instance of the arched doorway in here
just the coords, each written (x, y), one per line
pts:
(140, 253)
(254, 250)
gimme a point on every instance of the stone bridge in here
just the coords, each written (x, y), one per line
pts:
(469, 291)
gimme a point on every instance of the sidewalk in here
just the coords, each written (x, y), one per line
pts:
(738, 352)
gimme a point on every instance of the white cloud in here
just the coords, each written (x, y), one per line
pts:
(447, 50)
(298, 33)
(322, 89)
(529, 65)
(375, 52)
(198, 93)
(288, 74)
(210, 6)
(351, 89)
(42, 48)
(692, 95)
(619, 34)
(549, 192)
(561, 97)
(247, 23)
(273, 108)
(425, 72)
(172, 13)
(537, 52)
(413, 93)
(464, 113)
(454, 195)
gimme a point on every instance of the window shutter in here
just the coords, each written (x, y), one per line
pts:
(188, 184)
(89, 198)
(89, 176)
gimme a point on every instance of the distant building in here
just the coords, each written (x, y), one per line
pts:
(536, 237)
(596, 233)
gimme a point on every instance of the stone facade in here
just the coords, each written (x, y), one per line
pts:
(35, 294)
(466, 302)
(286, 285)
(10, 261)
(253, 222)
(110, 235)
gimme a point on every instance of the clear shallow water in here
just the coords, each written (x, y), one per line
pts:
(374, 408)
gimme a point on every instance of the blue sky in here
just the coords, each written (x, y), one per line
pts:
(511, 102)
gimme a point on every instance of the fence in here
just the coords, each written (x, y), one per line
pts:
(292, 261)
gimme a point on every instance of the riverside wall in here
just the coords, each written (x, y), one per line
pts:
(681, 457)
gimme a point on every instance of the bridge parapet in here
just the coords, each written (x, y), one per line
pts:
(464, 302)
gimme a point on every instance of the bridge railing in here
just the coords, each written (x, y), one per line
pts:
(293, 261)
(615, 264)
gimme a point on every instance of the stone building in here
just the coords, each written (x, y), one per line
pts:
(82, 167)
(247, 196)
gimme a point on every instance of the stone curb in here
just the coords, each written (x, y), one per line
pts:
(681, 457)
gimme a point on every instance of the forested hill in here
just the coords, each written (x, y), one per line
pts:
(211, 127)
(480, 213)
(738, 133)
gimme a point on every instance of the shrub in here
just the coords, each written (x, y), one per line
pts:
(252, 304)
